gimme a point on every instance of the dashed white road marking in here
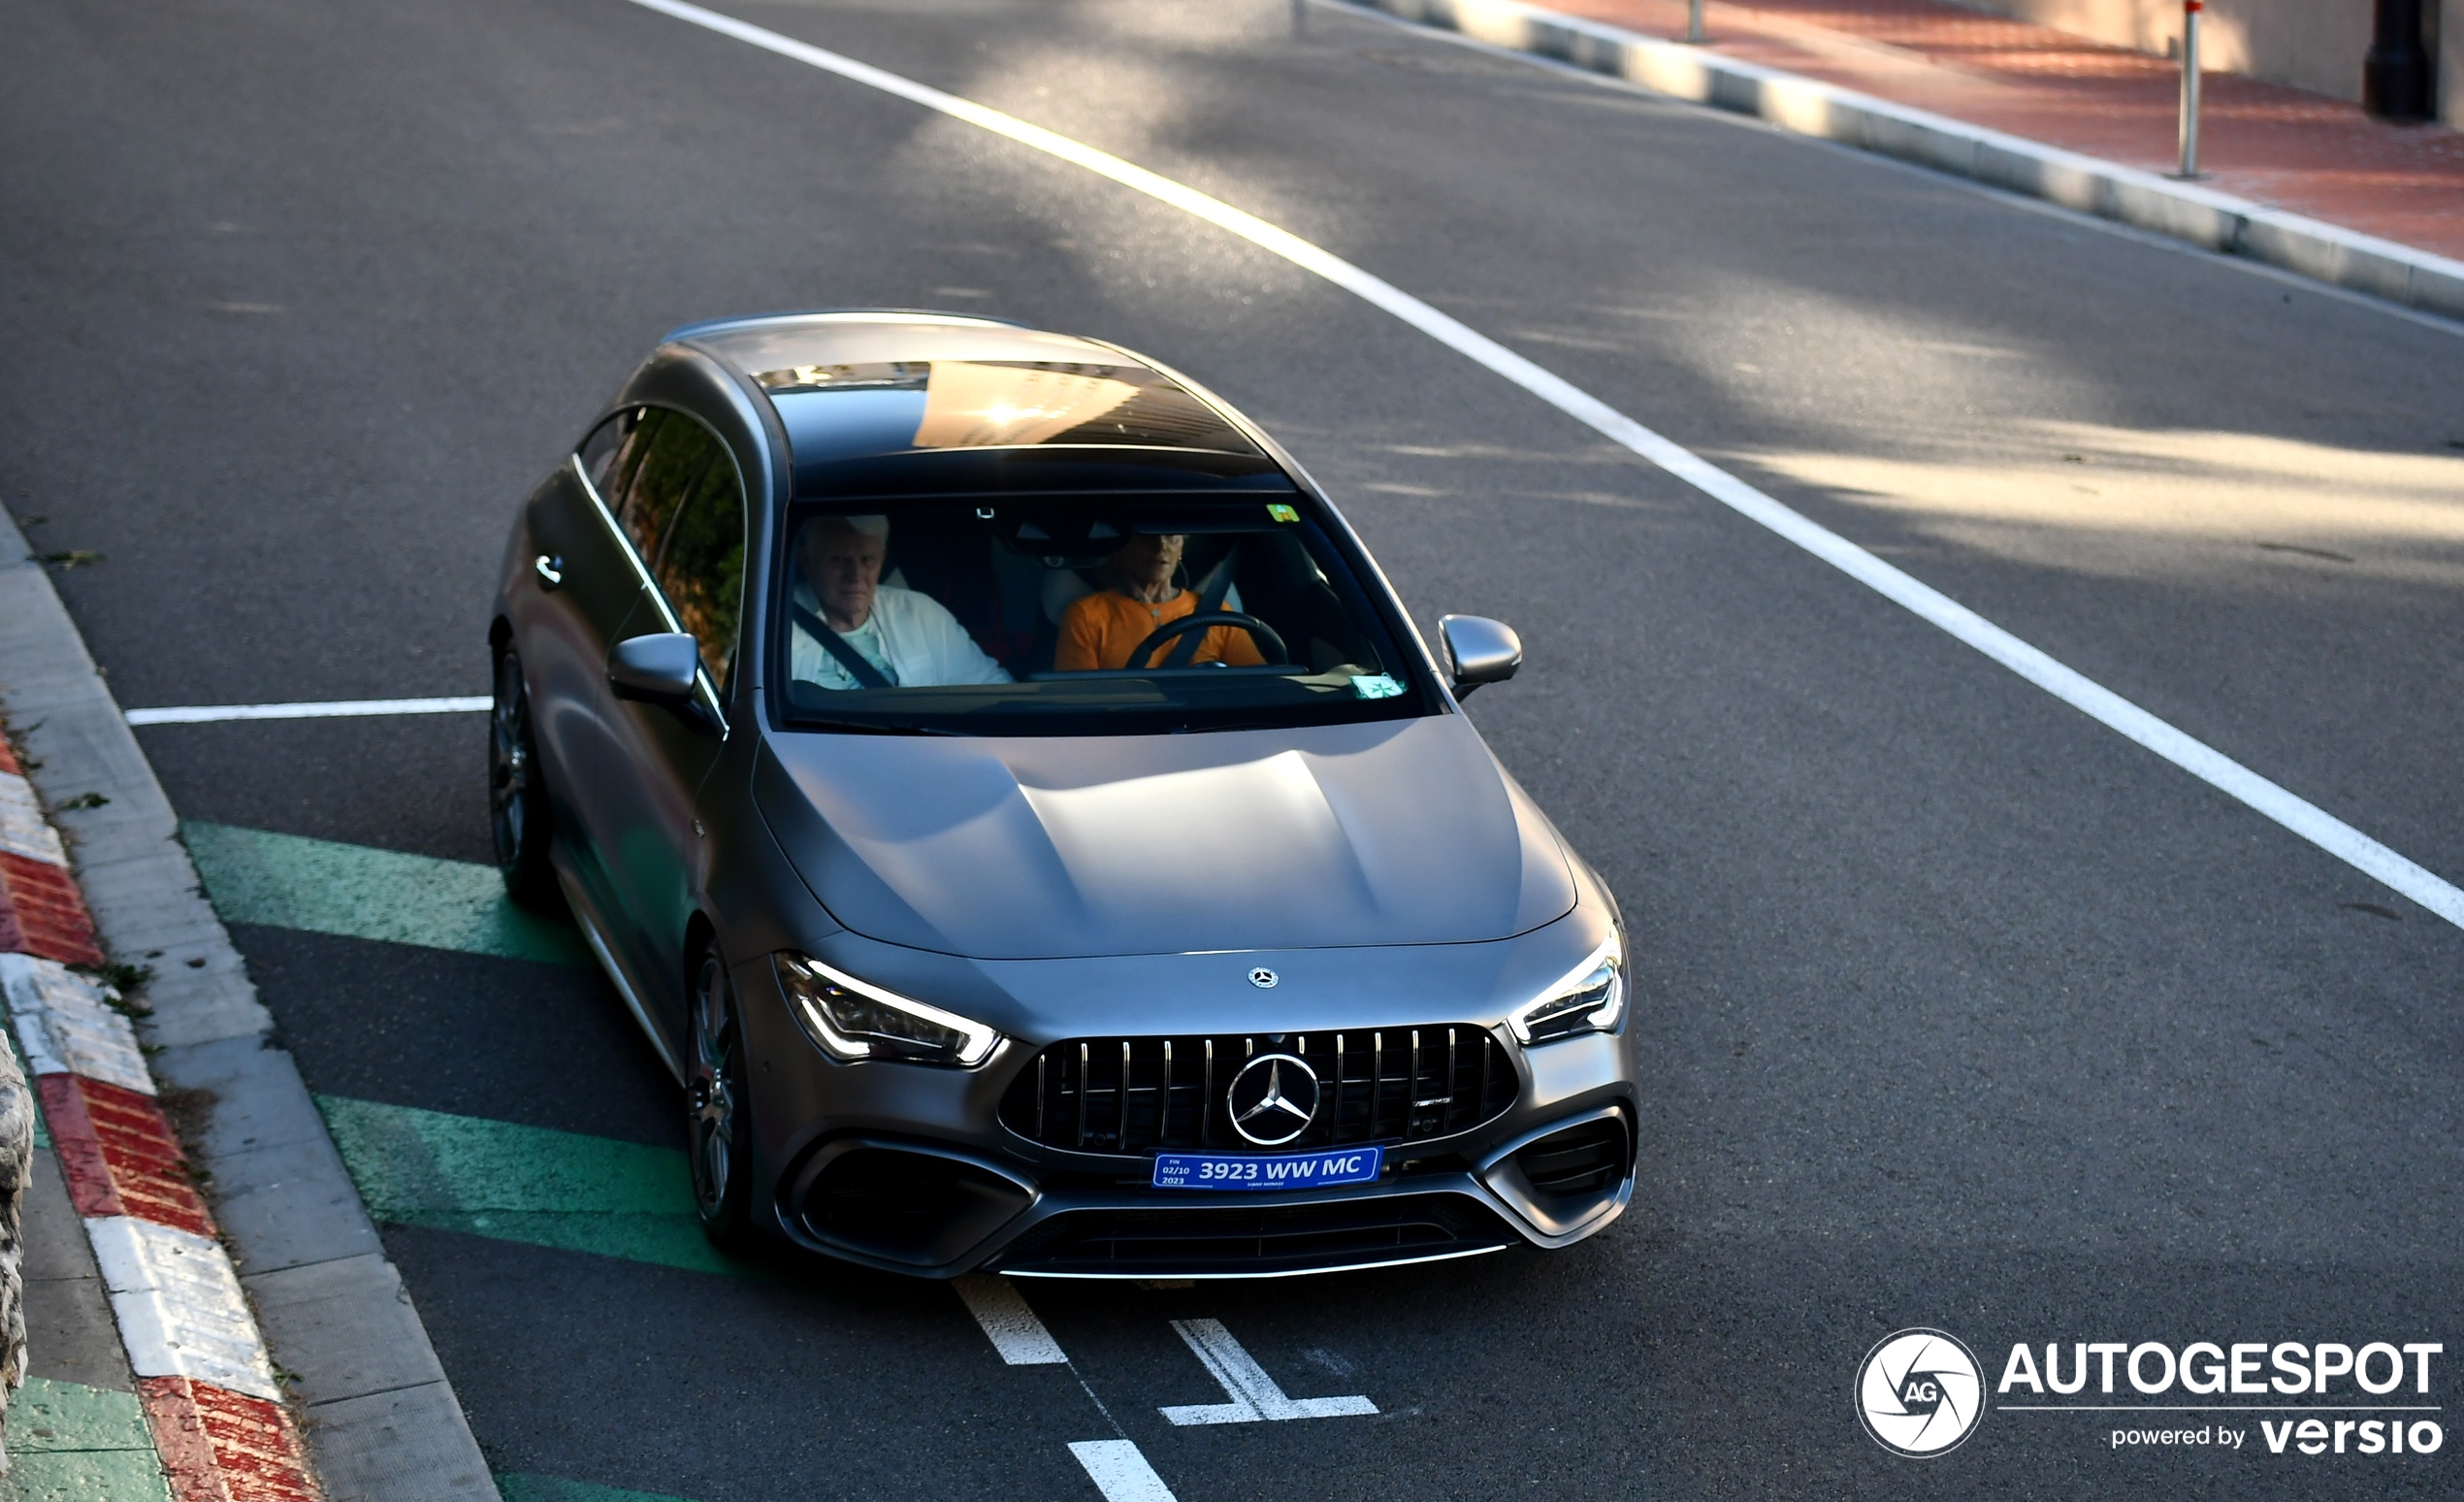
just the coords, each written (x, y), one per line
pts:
(1012, 1326)
(2306, 820)
(330, 710)
(1121, 1471)
(1255, 1396)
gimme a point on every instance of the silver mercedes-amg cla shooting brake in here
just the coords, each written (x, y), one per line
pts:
(1032, 831)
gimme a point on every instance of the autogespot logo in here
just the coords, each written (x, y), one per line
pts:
(1919, 1392)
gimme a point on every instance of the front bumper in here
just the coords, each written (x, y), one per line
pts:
(910, 1169)
(1408, 1218)
(915, 1206)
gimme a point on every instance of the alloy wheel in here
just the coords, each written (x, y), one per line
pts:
(510, 762)
(711, 1092)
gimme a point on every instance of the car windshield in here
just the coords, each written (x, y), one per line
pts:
(1078, 615)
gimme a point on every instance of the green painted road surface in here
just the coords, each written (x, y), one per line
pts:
(432, 1169)
(285, 881)
(428, 1168)
(70, 1443)
(527, 1184)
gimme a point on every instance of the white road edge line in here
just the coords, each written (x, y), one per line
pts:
(2312, 823)
(1008, 1323)
(335, 710)
(1121, 1471)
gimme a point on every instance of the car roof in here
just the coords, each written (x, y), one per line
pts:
(769, 342)
(891, 401)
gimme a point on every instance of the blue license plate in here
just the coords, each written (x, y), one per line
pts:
(1283, 1171)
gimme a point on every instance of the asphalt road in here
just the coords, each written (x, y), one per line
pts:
(1961, 1011)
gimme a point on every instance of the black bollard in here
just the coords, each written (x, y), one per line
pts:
(2395, 78)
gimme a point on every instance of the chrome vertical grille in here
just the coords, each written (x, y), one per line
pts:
(1166, 1093)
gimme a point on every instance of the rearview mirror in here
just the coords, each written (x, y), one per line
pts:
(1478, 650)
(655, 669)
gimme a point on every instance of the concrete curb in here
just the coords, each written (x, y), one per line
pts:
(1806, 107)
(203, 1381)
(330, 1311)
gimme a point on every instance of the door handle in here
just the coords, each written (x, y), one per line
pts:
(551, 571)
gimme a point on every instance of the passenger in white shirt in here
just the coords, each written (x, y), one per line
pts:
(910, 638)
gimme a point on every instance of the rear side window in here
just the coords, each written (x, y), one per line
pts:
(599, 452)
(702, 568)
(671, 463)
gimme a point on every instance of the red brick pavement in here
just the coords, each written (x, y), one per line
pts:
(2280, 146)
(224, 1447)
(41, 912)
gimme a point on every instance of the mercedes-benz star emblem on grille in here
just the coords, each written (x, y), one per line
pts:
(1272, 1100)
(1263, 978)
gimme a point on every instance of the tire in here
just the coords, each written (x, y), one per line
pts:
(718, 1112)
(518, 810)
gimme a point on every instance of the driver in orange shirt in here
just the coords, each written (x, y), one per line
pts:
(1102, 628)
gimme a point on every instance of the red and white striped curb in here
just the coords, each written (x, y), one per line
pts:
(202, 1372)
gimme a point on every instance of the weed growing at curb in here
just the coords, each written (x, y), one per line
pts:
(86, 801)
(70, 558)
(16, 745)
(125, 981)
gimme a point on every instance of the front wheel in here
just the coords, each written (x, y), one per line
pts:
(517, 796)
(718, 1117)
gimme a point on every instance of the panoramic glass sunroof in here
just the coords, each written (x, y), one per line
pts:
(848, 412)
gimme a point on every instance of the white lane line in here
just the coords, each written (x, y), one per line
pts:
(2312, 823)
(1121, 1471)
(1015, 1331)
(1253, 1393)
(331, 709)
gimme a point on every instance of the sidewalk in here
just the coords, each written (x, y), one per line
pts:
(148, 1379)
(2274, 146)
(229, 1260)
(77, 1429)
(2298, 182)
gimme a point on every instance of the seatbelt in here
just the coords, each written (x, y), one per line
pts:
(863, 671)
(1218, 583)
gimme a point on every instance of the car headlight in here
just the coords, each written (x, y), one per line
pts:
(850, 1020)
(1591, 998)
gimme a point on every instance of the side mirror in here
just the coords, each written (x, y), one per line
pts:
(1478, 650)
(656, 669)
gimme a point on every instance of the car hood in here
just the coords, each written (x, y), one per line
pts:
(1395, 833)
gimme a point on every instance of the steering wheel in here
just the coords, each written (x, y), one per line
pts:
(1269, 646)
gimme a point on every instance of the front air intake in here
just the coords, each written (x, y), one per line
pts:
(1254, 1241)
(1577, 1162)
(918, 1209)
